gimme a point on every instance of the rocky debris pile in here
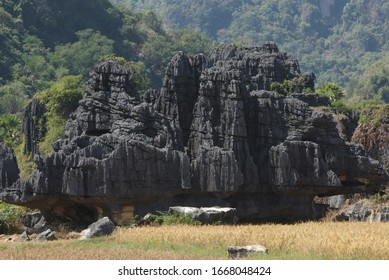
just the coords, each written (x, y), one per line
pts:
(363, 211)
(54, 231)
(373, 134)
(208, 215)
(237, 252)
(213, 135)
(47, 235)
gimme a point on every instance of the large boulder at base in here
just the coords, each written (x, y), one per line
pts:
(33, 219)
(47, 235)
(208, 215)
(33, 225)
(212, 135)
(102, 227)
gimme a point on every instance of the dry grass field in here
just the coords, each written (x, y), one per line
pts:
(312, 240)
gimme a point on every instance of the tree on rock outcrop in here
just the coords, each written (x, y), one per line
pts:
(60, 100)
(332, 90)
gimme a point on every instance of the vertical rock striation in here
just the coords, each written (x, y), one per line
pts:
(9, 170)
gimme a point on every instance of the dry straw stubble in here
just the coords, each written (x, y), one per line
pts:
(312, 240)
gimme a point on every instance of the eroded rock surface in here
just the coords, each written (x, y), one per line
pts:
(47, 235)
(375, 137)
(9, 170)
(364, 211)
(213, 135)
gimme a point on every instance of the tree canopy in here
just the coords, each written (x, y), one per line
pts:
(336, 40)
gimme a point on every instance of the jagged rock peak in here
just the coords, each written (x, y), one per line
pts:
(110, 77)
(230, 51)
(109, 96)
(113, 67)
(257, 67)
(34, 126)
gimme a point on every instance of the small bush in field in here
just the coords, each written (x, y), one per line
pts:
(9, 218)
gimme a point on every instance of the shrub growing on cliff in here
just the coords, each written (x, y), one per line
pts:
(287, 87)
(279, 88)
(333, 91)
(60, 99)
(340, 108)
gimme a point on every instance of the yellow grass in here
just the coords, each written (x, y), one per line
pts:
(311, 240)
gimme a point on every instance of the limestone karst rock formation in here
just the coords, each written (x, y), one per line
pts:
(213, 135)
(9, 171)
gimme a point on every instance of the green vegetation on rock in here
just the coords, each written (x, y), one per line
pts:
(333, 91)
(60, 100)
(374, 114)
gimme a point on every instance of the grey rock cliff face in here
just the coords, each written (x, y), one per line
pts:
(9, 170)
(213, 135)
(33, 128)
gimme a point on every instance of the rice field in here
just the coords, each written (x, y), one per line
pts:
(312, 240)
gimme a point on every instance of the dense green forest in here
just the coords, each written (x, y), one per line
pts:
(48, 47)
(338, 40)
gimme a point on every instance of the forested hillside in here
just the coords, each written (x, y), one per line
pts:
(48, 48)
(336, 39)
